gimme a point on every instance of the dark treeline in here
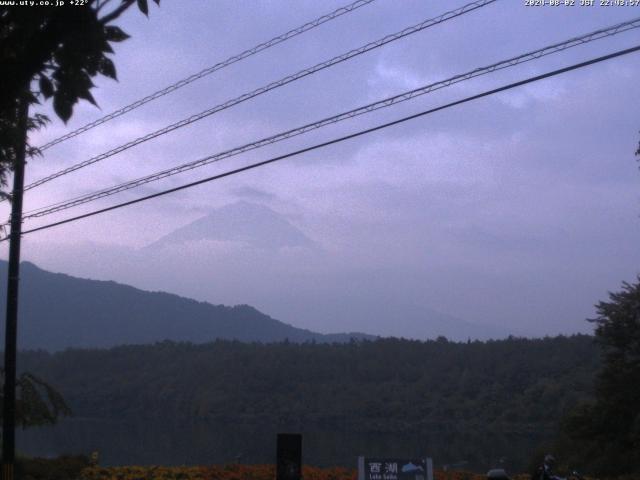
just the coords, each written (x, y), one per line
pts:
(514, 389)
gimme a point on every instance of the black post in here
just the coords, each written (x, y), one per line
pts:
(289, 456)
(11, 331)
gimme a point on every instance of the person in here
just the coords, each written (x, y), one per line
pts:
(545, 472)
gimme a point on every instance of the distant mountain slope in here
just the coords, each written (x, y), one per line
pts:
(250, 223)
(59, 311)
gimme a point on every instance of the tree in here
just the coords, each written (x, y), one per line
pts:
(604, 436)
(52, 52)
(37, 402)
(45, 52)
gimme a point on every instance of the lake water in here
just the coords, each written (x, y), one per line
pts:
(163, 442)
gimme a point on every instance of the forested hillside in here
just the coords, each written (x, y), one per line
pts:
(511, 392)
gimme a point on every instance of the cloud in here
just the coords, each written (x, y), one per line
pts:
(519, 209)
(252, 193)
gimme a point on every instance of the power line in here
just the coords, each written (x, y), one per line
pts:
(558, 47)
(341, 139)
(271, 86)
(209, 70)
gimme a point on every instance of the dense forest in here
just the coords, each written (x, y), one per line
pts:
(474, 400)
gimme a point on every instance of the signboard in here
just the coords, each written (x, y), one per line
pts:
(395, 469)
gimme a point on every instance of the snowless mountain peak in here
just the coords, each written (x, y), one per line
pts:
(251, 223)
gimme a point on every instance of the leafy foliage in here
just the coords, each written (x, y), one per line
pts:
(37, 402)
(213, 472)
(604, 435)
(52, 53)
(66, 467)
(245, 472)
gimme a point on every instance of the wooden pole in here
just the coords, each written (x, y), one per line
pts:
(11, 328)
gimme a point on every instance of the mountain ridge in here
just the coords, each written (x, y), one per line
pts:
(59, 311)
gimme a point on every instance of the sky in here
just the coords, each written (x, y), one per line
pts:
(515, 213)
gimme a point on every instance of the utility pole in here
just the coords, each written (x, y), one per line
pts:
(11, 330)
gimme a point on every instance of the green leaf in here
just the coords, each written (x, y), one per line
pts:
(86, 94)
(63, 106)
(92, 63)
(114, 34)
(143, 6)
(46, 87)
(107, 68)
(31, 98)
(106, 47)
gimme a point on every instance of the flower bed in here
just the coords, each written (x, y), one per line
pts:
(243, 472)
(214, 472)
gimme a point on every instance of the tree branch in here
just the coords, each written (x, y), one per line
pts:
(117, 12)
(102, 4)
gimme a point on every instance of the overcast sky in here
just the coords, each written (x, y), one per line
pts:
(519, 211)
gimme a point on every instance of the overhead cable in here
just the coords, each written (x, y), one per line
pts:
(209, 70)
(387, 102)
(271, 86)
(340, 139)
